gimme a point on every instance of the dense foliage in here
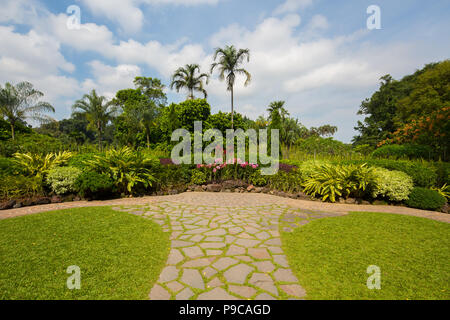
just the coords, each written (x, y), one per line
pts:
(414, 109)
(426, 199)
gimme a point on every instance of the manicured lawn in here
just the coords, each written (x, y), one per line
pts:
(330, 256)
(120, 255)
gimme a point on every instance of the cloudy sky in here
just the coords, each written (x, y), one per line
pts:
(317, 55)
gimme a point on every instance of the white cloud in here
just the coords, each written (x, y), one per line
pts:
(128, 14)
(107, 80)
(292, 6)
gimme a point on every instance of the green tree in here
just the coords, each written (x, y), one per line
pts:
(398, 102)
(229, 63)
(97, 111)
(21, 102)
(185, 77)
(277, 106)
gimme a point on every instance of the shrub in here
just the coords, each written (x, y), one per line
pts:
(18, 186)
(62, 179)
(422, 198)
(392, 185)
(31, 143)
(287, 182)
(423, 173)
(79, 159)
(443, 173)
(332, 181)
(93, 185)
(198, 177)
(8, 167)
(170, 175)
(408, 151)
(257, 179)
(128, 169)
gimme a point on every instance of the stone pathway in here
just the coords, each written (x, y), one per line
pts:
(225, 253)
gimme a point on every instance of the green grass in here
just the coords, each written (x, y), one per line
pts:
(120, 255)
(330, 256)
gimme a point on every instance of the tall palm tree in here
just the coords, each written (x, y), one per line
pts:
(97, 111)
(277, 106)
(229, 61)
(185, 77)
(21, 102)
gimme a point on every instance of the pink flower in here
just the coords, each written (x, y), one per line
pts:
(214, 170)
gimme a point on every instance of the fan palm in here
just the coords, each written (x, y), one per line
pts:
(97, 111)
(21, 102)
(229, 61)
(279, 107)
(185, 77)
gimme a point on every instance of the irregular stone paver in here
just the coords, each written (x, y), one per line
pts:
(226, 253)
(193, 278)
(185, 294)
(216, 294)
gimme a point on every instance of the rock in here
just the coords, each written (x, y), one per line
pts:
(28, 202)
(233, 184)
(204, 187)
(213, 187)
(77, 198)
(303, 196)
(43, 200)
(18, 204)
(365, 202)
(250, 188)
(56, 199)
(198, 189)
(445, 208)
(341, 200)
(7, 205)
(350, 201)
(379, 203)
(265, 190)
(258, 190)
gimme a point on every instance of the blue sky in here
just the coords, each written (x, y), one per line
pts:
(317, 55)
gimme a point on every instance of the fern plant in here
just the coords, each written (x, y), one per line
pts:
(128, 169)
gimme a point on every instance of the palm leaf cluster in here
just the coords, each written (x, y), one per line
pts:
(185, 77)
(21, 102)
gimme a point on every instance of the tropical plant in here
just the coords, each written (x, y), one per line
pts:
(128, 169)
(332, 181)
(97, 111)
(18, 186)
(229, 63)
(392, 185)
(185, 77)
(62, 179)
(38, 165)
(198, 177)
(443, 191)
(21, 102)
(277, 106)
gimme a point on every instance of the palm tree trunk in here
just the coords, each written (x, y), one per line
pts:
(232, 108)
(99, 137)
(12, 131)
(148, 141)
